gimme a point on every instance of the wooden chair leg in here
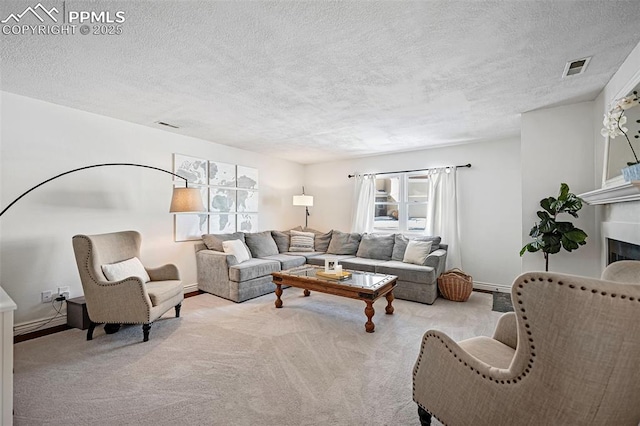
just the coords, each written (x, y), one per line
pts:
(178, 306)
(145, 331)
(425, 418)
(92, 326)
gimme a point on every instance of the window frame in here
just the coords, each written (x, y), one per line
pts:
(404, 203)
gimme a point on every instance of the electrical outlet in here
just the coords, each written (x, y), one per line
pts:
(64, 291)
(47, 296)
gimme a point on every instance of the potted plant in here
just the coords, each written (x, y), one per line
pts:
(550, 235)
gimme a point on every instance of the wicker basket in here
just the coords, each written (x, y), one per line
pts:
(455, 285)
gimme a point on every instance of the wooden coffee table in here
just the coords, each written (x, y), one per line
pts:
(365, 286)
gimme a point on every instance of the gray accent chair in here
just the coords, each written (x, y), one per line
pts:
(568, 355)
(128, 301)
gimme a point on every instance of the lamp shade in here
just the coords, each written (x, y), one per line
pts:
(303, 200)
(186, 200)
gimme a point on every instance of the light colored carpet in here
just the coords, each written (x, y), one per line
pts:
(221, 363)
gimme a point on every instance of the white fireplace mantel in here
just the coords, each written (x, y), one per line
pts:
(627, 191)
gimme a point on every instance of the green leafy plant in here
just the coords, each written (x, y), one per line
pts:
(549, 235)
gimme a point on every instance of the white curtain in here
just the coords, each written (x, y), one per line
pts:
(363, 203)
(442, 212)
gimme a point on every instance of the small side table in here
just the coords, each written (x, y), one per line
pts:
(77, 315)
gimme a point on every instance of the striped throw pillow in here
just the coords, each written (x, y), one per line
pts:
(301, 241)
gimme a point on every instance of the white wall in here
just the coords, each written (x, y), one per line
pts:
(619, 221)
(40, 140)
(557, 146)
(489, 200)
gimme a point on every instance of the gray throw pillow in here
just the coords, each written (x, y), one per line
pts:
(282, 240)
(301, 241)
(376, 246)
(401, 242)
(343, 243)
(321, 242)
(261, 244)
(214, 241)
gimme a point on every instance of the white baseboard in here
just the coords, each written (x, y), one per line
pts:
(189, 288)
(37, 325)
(492, 287)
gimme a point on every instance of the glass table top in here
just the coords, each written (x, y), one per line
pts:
(358, 279)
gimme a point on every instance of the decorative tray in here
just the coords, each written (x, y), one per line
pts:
(344, 276)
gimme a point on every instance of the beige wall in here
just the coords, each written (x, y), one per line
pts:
(557, 147)
(40, 140)
(489, 200)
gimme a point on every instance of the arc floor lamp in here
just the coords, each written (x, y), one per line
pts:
(183, 200)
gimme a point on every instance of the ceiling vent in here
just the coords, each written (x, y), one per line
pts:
(577, 67)
(162, 123)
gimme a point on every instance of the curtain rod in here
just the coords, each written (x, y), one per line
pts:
(468, 166)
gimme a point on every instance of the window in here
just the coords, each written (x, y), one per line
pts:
(401, 202)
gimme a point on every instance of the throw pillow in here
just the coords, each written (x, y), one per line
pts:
(282, 240)
(344, 243)
(401, 242)
(214, 241)
(301, 241)
(375, 246)
(417, 252)
(261, 244)
(237, 249)
(125, 269)
(321, 242)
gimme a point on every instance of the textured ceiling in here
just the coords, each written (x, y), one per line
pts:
(310, 81)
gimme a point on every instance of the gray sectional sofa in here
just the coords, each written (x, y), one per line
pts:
(220, 273)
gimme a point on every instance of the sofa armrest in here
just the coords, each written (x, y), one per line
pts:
(507, 330)
(164, 273)
(437, 260)
(217, 256)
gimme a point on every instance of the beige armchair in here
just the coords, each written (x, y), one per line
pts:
(130, 300)
(568, 355)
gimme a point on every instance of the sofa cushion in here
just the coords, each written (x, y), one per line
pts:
(319, 259)
(261, 244)
(307, 255)
(417, 252)
(214, 241)
(253, 268)
(376, 246)
(287, 261)
(301, 241)
(321, 241)
(361, 264)
(282, 240)
(344, 243)
(237, 249)
(400, 245)
(407, 271)
(161, 291)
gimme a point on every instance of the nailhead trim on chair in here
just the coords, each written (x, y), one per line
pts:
(86, 265)
(526, 325)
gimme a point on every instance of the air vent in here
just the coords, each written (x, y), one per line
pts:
(576, 67)
(162, 123)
